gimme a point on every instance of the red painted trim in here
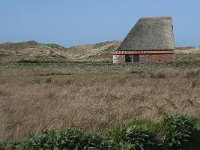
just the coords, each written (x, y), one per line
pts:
(144, 52)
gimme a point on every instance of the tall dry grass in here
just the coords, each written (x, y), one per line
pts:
(35, 99)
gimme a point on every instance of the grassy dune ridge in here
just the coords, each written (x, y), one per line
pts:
(34, 51)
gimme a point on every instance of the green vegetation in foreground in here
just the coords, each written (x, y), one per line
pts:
(172, 132)
(98, 63)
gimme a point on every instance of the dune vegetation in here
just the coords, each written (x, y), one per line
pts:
(52, 92)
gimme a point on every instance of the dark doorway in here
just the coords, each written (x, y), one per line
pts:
(128, 58)
(136, 58)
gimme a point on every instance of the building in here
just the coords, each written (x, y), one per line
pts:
(150, 40)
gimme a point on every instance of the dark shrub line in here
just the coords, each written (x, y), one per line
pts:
(173, 132)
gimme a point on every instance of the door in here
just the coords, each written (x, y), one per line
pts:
(136, 58)
(128, 58)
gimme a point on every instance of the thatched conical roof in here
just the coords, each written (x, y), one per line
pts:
(150, 33)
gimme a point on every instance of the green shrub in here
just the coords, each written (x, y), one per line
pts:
(133, 137)
(136, 138)
(14, 145)
(137, 134)
(115, 132)
(173, 132)
(70, 139)
(179, 131)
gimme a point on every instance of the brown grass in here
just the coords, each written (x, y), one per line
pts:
(36, 98)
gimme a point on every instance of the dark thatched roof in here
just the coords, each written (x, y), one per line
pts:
(150, 33)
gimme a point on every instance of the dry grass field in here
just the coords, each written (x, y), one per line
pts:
(38, 98)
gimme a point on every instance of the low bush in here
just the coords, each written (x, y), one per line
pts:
(136, 135)
(173, 132)
(136, 138)
(115, 132)
(179, 131)
(70, 139)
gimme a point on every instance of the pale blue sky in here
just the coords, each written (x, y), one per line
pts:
(74, 22)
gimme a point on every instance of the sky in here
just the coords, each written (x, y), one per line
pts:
(75, 22)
